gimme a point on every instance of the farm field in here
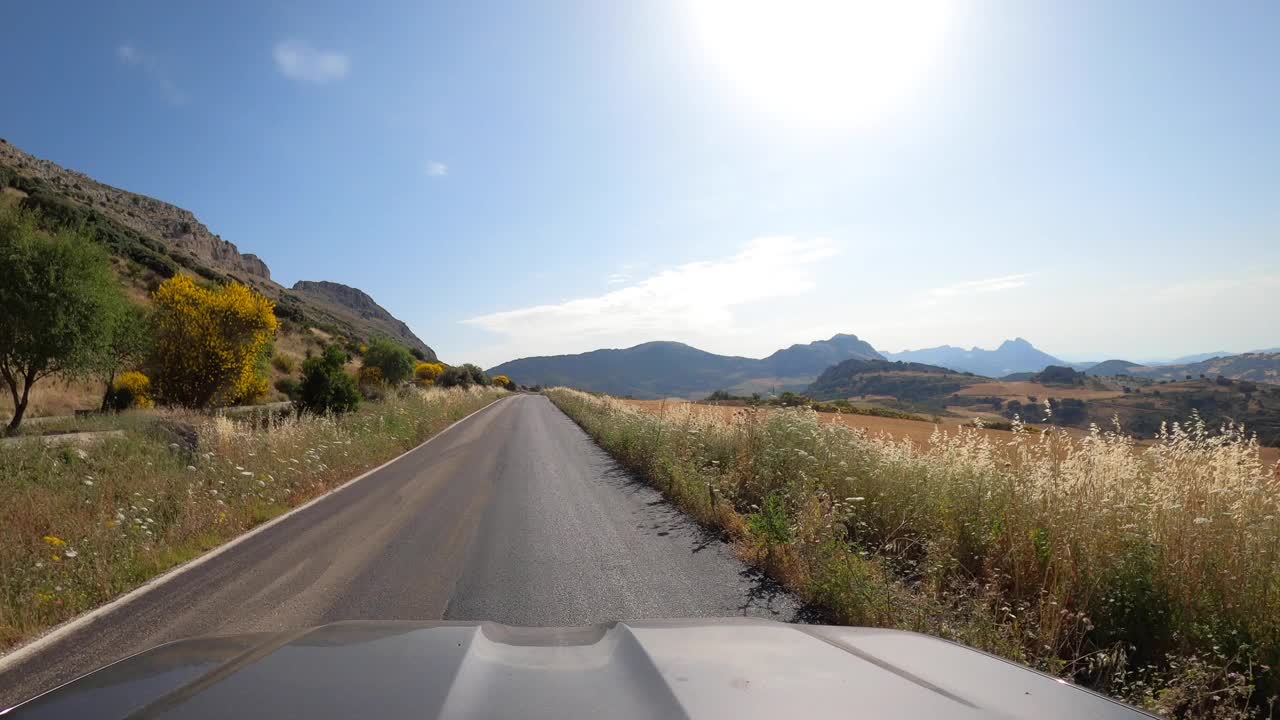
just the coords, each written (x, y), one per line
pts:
(1023, 390)
(916, 431)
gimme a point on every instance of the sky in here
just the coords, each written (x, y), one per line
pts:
(529, 178)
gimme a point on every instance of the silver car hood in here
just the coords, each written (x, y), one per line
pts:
(733, 668)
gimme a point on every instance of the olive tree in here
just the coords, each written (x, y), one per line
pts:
(394, 362)
(58, 300)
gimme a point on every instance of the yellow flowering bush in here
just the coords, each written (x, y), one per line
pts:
(132, 390)
(427, 373)
(209, 342)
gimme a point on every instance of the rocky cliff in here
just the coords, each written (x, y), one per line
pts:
(164, 239)
(173, 225)
(355, 302)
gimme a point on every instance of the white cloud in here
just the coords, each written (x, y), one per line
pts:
(131, 56)
(695, 302)
(617, 278)
(300, 61)
(976, 287)
(437, 169)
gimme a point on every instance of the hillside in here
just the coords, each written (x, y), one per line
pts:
(671, 369)
(1257, 367)
(154, 240)
(1141, 409)
(1013, 356)
(813, 358)
(909, 384)
(358, 309)
(1110, 368)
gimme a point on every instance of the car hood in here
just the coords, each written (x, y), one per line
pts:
(737, 668)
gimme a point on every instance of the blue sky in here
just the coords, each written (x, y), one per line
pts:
(531, 178)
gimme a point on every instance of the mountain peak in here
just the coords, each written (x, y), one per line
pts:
(1012, 356)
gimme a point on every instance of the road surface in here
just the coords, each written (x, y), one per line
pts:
(512, 515)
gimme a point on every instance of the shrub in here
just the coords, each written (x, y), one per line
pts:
(326, 386)
(503, 381)
(427, 373)
(209, 343)
(394, 362)
(370, 382)
(289, 387)
(463, 376)
(284, 364)
(131, 390)
(477, 374)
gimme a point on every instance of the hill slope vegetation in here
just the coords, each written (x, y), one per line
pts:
(912, 384)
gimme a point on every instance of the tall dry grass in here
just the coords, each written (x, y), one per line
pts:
(1152, 575)
(81, 526)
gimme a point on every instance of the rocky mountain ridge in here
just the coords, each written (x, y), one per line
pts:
(165, 239)
(148, 216)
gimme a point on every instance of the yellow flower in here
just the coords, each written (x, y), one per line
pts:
(54, 541)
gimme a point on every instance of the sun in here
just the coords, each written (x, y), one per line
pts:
(823, 63)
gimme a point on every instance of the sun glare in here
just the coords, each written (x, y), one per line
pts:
(823, 63)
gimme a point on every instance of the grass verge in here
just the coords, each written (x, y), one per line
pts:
(82, 526)
(1152, 576)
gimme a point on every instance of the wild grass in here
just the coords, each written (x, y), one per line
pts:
(1151, 575)
(83, 525)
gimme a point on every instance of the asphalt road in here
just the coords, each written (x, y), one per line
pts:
(512, 515)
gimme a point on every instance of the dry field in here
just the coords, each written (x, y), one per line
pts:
(1148, 575)
(920, 433)
(1021, 391)
(54, 396)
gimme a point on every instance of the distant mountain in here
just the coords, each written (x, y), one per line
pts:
(1108, 368)
(672, 369)
(1198, 357)
(813, 358)
(155, 240)
(1013, 356)
(358, 308)
(905, 382)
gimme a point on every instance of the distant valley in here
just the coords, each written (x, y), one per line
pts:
(1020, 381)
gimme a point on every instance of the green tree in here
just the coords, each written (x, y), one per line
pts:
(395, 362)
(455, 376)
(57, 295)
(477, 374)
(326, 386)
(127, 345)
